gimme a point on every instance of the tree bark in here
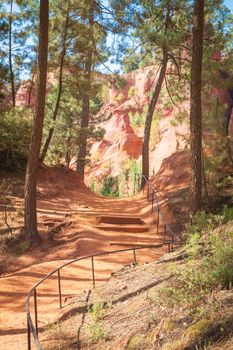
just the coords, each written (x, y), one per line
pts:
(82, 151)
(153, 102)
(149, 117)
(30, 217)
(195, 108)
(60, 85)
(12, 77)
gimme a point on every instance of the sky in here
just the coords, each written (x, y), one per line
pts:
(229, 4)
(116, 67)
(110, 65)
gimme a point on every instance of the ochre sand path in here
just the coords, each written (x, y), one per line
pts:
(84, 236)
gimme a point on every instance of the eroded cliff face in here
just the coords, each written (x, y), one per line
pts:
(123, 118)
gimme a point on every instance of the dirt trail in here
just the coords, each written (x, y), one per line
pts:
(61, 195)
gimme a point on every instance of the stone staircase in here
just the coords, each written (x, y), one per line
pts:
(127, 231)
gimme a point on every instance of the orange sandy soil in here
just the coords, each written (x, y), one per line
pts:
(63, 197)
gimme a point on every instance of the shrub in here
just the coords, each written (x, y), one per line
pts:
(110, 187)
(194, 284)
(15, 126)
(95, 328)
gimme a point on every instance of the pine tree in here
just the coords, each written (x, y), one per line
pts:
(196, 108)
(60, 82)
(30, 218)
(82, 151)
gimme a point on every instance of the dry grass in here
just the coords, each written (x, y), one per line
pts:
(129, 316)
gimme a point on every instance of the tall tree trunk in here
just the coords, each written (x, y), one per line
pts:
(82, 150)
(149, 117)
(60, 84)
(195, 107)
(153, 102)
(30, 218)
(12, 77)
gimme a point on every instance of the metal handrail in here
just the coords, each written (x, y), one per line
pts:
(154, 197)
(34, 329)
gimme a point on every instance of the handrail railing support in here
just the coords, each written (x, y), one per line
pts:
(29, 334)
(152, 201)
(134, 255)
(35, 310)
(157, 219)
(93, 271)
(59, 287)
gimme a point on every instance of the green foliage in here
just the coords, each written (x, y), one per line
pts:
(154, 135)
(132, 91)
(110, 187)
(21, 248)
(227, 213)
(119, 98)
(138, 119)
(97, 311)
(203, 222)
(67, 132)
(15, 126)
(194, 284)
(104, 92)
(135, 119)
(118, 82)
(95, 328)
(96, 103)
(127, 184)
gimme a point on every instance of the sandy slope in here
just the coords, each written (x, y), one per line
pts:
(63, 197)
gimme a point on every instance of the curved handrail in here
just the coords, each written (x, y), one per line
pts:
(33, 329)
(155, 197)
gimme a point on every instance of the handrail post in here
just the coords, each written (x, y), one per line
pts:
(93, 271)
(164, 233)
(29, 334)
(134, 185)
(157, 219)
(134, 255)
(35, 309)
(59, 287)
(152, 201)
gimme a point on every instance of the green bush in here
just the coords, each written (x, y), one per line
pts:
(110, 187)
(211, 268)
(95, 327)
(15, 130)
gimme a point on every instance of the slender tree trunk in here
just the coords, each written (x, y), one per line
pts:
(82, 151)
(60, 84)
(195, 107)
(153, 102)
(12, 77)
(149, 117)
(30, 218)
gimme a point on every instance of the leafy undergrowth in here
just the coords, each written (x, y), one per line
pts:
(183, 301)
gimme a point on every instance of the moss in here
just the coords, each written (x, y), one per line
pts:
(153, 295)
(190, 335)
(21, 248)
(164, 327)
(134, 342)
